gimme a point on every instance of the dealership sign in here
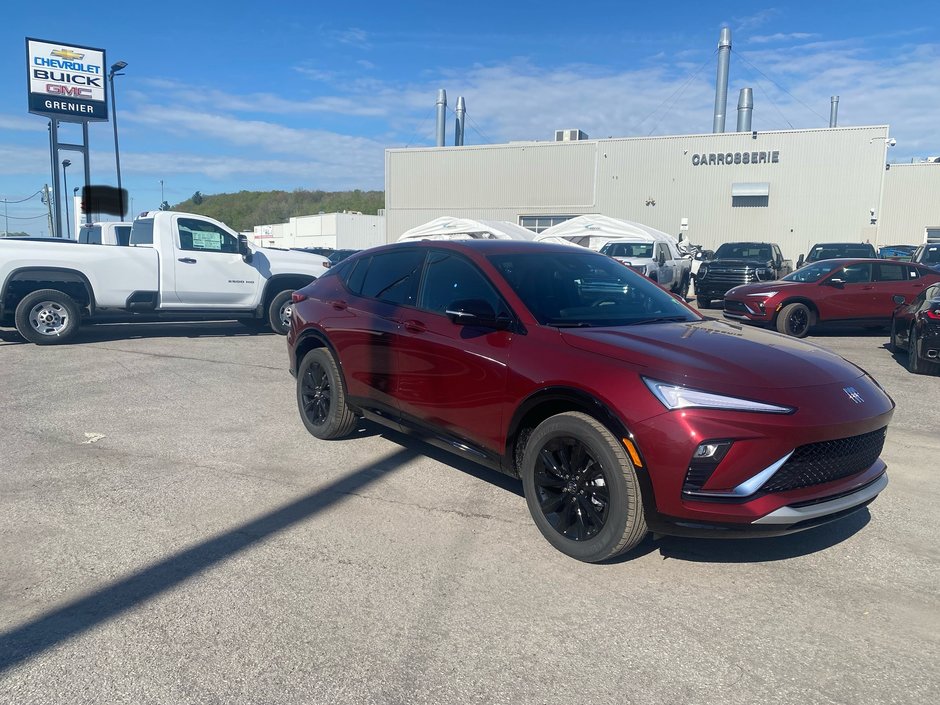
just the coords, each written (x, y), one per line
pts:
(729, 158)
(66, 81)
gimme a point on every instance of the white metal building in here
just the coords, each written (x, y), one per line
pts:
(342, 231)
(792, 187)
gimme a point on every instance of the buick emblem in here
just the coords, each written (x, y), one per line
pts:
(852, 393)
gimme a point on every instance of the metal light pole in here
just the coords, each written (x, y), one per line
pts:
(66, 163)
(115, 67)
(6, 227)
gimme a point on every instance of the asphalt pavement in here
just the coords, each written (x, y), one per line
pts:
(170, 533)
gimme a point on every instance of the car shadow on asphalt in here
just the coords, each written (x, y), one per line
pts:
(749, 549)
(67, 621)
(110, 332)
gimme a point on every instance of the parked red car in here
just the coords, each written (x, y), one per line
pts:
(848, 291)
(621, 409)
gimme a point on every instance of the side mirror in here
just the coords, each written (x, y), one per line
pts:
(799, 262)
(243, 248)
(662, 258)
(898, 299)
(476, 312)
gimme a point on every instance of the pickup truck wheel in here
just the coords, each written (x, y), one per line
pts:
(321, 397)
(684, 287)
(703, 301)
(581, 488)
(47, 317)
(795, 319)
(279, 311)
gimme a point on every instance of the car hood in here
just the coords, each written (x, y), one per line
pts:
(716, 354)
(737, 262)
(758, 287)
(289, 262)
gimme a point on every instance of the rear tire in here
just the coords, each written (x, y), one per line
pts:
(321, 397)
(581, 488)
(892, 341)
(795, 320)
(279, 312)
(47, 317)
(915, 364)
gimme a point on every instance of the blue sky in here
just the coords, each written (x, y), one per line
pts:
(218, 98)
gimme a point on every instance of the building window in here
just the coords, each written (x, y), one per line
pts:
(750, 195)
(538, 223)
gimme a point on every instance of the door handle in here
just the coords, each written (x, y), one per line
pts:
(414, 326)
(187, 260)
(338, 305)
(867, 288)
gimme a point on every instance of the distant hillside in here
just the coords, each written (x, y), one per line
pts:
(246, 209)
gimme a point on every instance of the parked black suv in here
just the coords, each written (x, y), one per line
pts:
(738, 263)
(838, 250)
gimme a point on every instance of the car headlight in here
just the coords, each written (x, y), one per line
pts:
(766, 294)
(674, 397)
(703, 270)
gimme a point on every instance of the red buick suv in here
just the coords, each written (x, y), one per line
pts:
(621, 409)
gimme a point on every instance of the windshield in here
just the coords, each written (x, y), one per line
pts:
(574, 289)
(639, 250)
(142, 232)
(821, 252)
(931, 255)
(810, 273)
(744, 250)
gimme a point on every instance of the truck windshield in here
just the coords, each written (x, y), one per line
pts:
(640, 250)
(821, 252)
(142, 232)
(744, 250)
(931, 255)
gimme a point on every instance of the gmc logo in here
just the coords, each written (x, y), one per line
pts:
(73, 91)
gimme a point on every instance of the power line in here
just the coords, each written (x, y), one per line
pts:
(22, 200)
(691, 77)
(824, 119)
(31, 217)
(420, 127)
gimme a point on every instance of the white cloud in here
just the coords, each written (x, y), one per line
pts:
(779, 37)
(32, 123)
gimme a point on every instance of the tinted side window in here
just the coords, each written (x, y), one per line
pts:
(393, 277)
(142, 232)
(123, 233)
(891, 273)
(450, 277)
(355, 276)
(854, 274)
(202, 236)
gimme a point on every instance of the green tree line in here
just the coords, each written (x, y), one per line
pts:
(246, 209)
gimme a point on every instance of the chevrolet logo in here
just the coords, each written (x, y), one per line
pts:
(67, 54)
(852, 393)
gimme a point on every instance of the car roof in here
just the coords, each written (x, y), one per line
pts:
(842, 244)
(486, 247)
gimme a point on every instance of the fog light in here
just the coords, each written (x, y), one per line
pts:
(706, 450)
(705, 460)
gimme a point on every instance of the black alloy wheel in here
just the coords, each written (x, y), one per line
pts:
(795, 319)
(915, 362)
(321, 397)
(581, 488)
(316, 394)
(573, 492)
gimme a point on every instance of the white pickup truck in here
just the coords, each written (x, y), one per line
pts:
(177, 265)
(657, 258)
(105, 233)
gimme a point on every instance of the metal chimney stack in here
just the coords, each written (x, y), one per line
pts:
(459, 127)
(441, 116)
(721, 83)
(745, 109)
(834, 111)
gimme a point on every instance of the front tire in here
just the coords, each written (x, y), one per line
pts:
(795, 320)
(684, 287)
(581, 488)
(279, 312)
(703, 301)
(47, 317)
(321, 397)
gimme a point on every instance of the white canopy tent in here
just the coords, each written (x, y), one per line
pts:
(449, 228)
(594, 231)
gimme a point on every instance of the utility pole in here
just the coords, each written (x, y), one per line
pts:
(6, 216)
(47, 199)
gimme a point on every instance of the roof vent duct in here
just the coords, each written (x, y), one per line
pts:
(834, 111)
(745, 109)
(570, 135)
(459, 126)
(721, 83)
(441, 116)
